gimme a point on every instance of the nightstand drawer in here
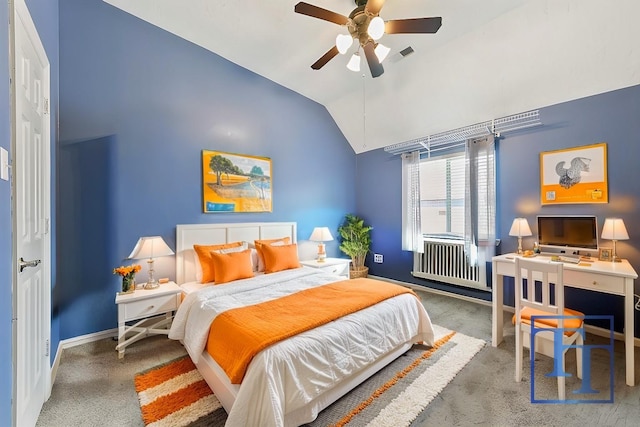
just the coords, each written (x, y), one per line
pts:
(150, 306)
(339, 269)
(337, 266)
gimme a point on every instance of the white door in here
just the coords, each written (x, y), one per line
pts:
(31, 213)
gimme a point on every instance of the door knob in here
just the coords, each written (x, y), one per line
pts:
(24, 264)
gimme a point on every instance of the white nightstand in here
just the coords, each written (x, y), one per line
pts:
(339, 266)
(153, 308)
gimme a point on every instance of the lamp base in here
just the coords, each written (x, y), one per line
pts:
(614, 256)
(151, 285)
(322, 255)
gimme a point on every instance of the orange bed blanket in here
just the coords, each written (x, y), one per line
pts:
(237, 335)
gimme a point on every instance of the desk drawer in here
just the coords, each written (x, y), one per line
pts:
(150, 306)
(596, 282)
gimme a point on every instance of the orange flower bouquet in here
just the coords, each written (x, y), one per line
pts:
(128, 274)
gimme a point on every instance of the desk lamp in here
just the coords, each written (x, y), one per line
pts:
(520, 228)
(614, 229)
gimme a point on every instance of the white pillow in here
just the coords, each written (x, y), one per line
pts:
(254, 260)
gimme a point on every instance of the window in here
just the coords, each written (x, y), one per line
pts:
(442, 188)
(451, 196)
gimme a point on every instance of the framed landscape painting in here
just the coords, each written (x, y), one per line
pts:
(574, 175)
(235, 182)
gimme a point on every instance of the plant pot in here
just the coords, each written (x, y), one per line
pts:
(356, 272)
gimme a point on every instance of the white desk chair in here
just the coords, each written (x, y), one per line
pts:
(528, 304)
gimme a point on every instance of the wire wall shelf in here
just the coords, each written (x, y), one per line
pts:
(451, 138)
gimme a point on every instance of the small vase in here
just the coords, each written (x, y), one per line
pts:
(128, 284)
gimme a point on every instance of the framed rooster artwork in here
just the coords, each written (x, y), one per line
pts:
(574, 175)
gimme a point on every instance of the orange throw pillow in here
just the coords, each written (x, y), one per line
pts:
(268, 242)
(231, 266)
(204, 256)
(278, 258)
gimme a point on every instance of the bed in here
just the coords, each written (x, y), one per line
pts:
(291, 381)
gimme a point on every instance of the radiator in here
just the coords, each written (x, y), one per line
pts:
(446, 262)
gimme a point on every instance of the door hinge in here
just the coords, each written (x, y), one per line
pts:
(46, 106)
(46, 348)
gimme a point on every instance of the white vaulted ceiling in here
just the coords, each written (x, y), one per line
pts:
(490, 58)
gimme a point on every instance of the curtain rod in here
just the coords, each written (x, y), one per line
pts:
(446, 139)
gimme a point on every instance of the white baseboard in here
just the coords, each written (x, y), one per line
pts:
(595, 330)
(75, 341)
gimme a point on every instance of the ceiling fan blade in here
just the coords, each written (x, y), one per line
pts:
(325, 58)
(320, 13)
(415, 25)
(374, 65)
(374, 6)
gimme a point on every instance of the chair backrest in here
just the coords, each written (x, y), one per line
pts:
(544, 272)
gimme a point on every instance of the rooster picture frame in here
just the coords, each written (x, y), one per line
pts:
(574, 175)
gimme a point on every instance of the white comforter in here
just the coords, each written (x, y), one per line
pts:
(288, 376)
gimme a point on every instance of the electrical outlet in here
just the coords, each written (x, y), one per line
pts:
(377, 258)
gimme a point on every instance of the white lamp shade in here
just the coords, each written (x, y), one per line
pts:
(376, 28)
(381, 52)
(520, 228)
(343, 43)
(614, 229)
(354, 62)
(321, 234)
(150, 247)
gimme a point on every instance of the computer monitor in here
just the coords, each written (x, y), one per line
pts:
(568, 234)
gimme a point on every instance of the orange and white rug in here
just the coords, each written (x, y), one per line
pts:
(175, 394)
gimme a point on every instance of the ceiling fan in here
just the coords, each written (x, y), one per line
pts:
(366, 26)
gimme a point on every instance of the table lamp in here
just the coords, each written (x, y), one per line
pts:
(321, 235)
(614, 229)
(520, 228)
(150, 247)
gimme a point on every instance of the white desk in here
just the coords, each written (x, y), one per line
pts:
(600, 276)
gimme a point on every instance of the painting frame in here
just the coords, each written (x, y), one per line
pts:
(574, 175)
(605, 254)
(236, 183)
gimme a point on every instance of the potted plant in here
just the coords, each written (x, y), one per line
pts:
(356, 242)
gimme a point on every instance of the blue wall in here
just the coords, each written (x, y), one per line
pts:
(137, 107)
(611, 117)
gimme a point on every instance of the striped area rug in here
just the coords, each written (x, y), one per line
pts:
(174, 394)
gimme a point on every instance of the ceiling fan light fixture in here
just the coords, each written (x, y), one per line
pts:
(343, 43)
(376, 28)
(381, 52)
(354, 62)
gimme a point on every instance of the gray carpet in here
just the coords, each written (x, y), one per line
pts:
(95, 388)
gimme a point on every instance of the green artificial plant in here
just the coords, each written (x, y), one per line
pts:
(356, 239)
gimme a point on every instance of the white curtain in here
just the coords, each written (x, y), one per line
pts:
(411, 227)
(480, 200)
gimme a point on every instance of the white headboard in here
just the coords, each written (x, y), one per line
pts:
(188, 235)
